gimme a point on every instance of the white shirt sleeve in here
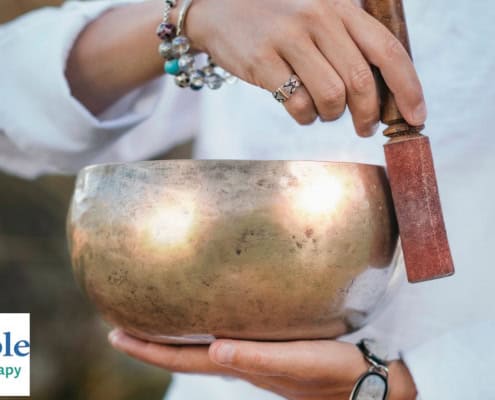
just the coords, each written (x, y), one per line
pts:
(43, 129)
(455, 366)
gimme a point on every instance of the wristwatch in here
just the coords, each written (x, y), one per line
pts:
(373, 384)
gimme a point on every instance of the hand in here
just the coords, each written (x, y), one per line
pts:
(303, 370)
(329, 44)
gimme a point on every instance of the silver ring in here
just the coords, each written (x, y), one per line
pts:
(284, 92)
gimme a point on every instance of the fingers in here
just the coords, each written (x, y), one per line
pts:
(250, 357)
(382, 49)
(270, 73)
(304, 360)
(362, 95)
(192, 359)
(319, 77)
(304, 369)
(301, 107)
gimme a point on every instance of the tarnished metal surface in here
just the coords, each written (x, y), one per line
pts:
(184, 251)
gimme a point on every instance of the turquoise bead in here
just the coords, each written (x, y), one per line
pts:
(172, 67)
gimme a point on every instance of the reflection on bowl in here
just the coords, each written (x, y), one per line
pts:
(185, 251)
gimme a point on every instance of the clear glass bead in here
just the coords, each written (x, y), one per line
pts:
(183, 80)
(165, 49)
(186, 62)
(197, 79)
(181, 45)
(214, 81)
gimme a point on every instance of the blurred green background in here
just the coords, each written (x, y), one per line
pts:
(70, 357)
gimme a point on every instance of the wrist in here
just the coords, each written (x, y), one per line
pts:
(401, 383)
(192, 29)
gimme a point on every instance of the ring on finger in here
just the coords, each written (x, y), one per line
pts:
(284, 92)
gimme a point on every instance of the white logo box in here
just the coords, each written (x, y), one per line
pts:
(15, 355)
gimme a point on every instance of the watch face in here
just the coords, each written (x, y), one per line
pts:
(370, 386)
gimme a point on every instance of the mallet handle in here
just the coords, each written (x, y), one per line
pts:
(391, 14)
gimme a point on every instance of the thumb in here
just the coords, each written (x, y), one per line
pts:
(319, 359)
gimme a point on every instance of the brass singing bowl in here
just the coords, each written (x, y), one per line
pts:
(186, 251)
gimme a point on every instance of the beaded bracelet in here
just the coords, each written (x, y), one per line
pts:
(175, 49)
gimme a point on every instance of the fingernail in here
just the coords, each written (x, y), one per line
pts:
(225, 354)
(115, 336)
(419, 114)
(368, 130)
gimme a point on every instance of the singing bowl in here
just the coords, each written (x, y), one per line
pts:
(186, 251)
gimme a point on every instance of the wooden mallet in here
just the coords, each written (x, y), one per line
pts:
(411, 172)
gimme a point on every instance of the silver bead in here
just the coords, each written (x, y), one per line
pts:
(186, 62)
(181, 45)
(165, 49)
(214, 81)
(182, 80)
(197, 80)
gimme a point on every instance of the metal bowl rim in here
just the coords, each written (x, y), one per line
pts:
(226, 161)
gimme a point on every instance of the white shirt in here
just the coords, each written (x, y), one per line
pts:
(442, 328)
